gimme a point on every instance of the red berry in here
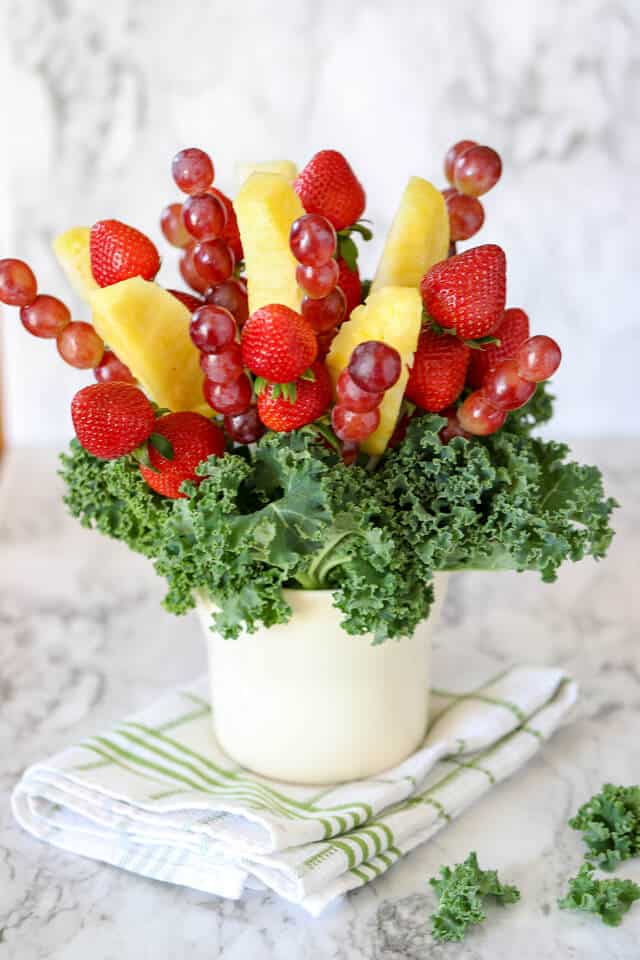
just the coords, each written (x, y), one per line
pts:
(229, 398)
(466, 215)
(353, 397)
(192, 170)
(172, 226)
(328, 186)
(477, 170)
(538, 358)
(45, 317)
(351, 426)
(439, 370)
(313, 240)
(327, 312)
(223, 366)
(18, 286)
(193, 438)
(187, 299)
(80, 346)
(452, 155)
(212, 328)
(111, 419)
(204, 216)
(278, 344)
(505, 388)
(213, 260)
(466, 293)
(478, 416)
(244, 427)
(232, 295)
(190, 273)
(119, 252)
(318, 281)
(349, 283)
(512, 331)
(312, 400)
(110, 368)
(375, 366)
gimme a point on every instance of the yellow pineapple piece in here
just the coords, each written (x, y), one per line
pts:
(72, 251)
(266, 206)
(394, 315)
(286, 168)
(148, 329)
(418, 237)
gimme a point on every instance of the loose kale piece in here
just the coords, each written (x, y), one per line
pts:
(462, 893)
(610, 825)
(610, 899)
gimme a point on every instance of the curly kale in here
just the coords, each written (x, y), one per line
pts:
(462, 892)
(610, 899)
(610, 825)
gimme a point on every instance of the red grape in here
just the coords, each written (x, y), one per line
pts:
(318, 282)
(324, 342)
(244, 427)
(190, 273)
(229, 398)
(313, 240)
(212, 328)
(349, 452)
(46, 317)
(80, 346)
(172, 226)
(224, 366)
(204, 216)
(538, 358)
(18, 286)
(375, 366)
(327, 312)
(188, 300)
(477, 415)
(110, 368)
(505, 388)
(452, 427)
(349, 425)
(452, 155)
(232, 295)
(192, 170)
(466, 215)
(213, 260)
(477, 170)
(353, 397)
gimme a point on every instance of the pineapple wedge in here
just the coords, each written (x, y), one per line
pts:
(266, 206)
(148, 329)
(418, 237)
(394, 315)
(72, 251)
(285, 168)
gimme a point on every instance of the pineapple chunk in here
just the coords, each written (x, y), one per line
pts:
(418, 237)
(394, 315)
(285, 168)
(266, 206)
(72, 251)
(148, 329)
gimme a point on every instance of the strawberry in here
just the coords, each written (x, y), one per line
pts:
(231, 232)
(512, 333)
(119, 251)
(328, 185)
(278, 344)
(466, 293)
(193, 438)
(312, 400)
(438, 372)
(190, 301)
(111, 419)
(349, 281)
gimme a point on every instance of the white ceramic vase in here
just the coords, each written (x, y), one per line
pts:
(308, 703)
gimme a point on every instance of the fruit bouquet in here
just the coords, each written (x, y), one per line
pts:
(303, 453)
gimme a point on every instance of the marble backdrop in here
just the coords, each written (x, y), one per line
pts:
(97, 97)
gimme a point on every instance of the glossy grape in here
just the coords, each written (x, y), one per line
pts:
(477, 170)
(244, 427)
(466, 215)
(313, 240)
(327, 312)
(213, 260)
(212, 328)
(375, 366)
(353, 397)
(452, 427)
(351, 426)
(224, 366)
(80, 346)
(229, 398)
(452, 155)
(172, 226)
(538, 358)
(190, 273)
(18, 285)
(45, 317)
(324, 342)
(192, 170)
(204, 216)
(111, 368)
(318, 282)
(479, 416)
(506, 388)
(232, 295)
(349, 452)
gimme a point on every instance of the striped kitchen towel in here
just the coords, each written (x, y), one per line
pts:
(157, 796)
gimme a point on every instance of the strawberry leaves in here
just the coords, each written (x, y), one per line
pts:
(347, 248)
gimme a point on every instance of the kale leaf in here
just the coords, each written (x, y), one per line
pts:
(610, 899)
(462, 892)
(610, 825)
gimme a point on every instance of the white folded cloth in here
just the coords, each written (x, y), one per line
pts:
(156, 795)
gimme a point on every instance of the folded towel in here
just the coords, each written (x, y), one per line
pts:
(156, 795)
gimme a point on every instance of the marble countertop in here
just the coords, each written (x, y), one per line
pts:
(83, 641)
